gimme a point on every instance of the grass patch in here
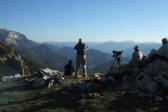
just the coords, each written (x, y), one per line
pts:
(15, 96)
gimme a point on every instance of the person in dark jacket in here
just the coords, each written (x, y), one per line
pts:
(69, 68)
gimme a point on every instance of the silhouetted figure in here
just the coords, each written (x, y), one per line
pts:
(164, 48)
(81, 57)
(69, 68)
(162, 53)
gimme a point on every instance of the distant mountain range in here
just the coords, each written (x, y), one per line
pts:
(10, 62)
(56, 54)
(108, 47)
(48, 55)
(94, 57)
(38, 53)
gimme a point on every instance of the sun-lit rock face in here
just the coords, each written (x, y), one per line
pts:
(13, 35)
(15, 38)
(10, 37)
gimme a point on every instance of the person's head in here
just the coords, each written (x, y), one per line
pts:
(136, 48)
(70, 62)
(80, 40)
(164, 41)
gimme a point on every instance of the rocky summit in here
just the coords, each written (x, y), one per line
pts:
(151, 78)
(11, 37)
(144, 87)
(27, 86)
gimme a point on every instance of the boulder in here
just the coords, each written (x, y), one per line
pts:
(97, 75)
(6, 78)
(16, 63)
(145, 82)
(51, 72)
(47, 77)
(149, 78)
(51, 83)
(39, 82)
(82, 102)
(17, 76)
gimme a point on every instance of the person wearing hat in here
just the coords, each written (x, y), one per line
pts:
(81, 57)
(164, 48)
(138, 55)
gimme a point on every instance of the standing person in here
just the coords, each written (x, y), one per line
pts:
(81, 57)
(69, 68)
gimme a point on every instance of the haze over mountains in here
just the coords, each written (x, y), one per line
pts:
(47, 55)
(56, 54)
(108, 47)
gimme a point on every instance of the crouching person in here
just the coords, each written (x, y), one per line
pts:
(69, 68)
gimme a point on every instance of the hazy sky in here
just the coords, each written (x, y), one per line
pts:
(93, 20)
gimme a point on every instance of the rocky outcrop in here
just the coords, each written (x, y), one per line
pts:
(46, 77)
(16, 63)
(6, 78)
(151, 77)
(11, 37)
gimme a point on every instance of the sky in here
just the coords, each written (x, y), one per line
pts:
(91, 20)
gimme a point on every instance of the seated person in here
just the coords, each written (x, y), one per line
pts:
(138, 61)
(138, 55)
(164, 48)
(69, 68)
(162, 53)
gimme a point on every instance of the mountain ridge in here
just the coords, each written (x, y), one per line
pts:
(46, 54)
(108, 47)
